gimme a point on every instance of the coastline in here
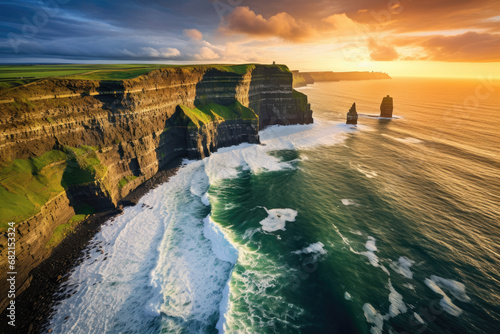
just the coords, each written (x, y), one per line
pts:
(34, 305)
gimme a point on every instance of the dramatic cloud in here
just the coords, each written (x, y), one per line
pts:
(350, 31)
(206, 54)
(468, 47)
(245, 21)
(193, 33)
(381, 52)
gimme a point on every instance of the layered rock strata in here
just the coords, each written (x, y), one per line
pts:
(72, 147)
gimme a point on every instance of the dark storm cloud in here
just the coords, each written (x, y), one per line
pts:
(127, 29)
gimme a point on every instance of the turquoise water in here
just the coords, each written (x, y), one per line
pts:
(392, 227)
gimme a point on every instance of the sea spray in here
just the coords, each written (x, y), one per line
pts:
(163, 272)
(117, 269)
(225, 251)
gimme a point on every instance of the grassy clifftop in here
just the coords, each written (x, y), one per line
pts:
(210, 112)
(27, 184)
(17, 75)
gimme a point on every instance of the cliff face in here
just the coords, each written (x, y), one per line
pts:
(73, 146)
(337, 76)
(302, 79)
(306, 78)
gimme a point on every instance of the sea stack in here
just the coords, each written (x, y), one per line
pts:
(386, 107)
(352, 115)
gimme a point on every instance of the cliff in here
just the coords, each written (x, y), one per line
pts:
(302, 79)
(69, 148)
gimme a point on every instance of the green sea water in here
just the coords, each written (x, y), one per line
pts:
(388, 227)
(422, 189)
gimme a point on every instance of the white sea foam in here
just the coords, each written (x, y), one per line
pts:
(249, 233)
(347, 201)
(344, 239)
(277, 219)
(224, 306)
(403, 267)
(396, 299)
(169, 261)
(419, 318)
(205, 200)
(227, 161)
(370, 244)
(457, 289)
(373, 317)
(370, 253)
(316, 247)
(125, 292)
(199, 183)
(315, 251)
(445, 302)
(222, 248)
(366, 171)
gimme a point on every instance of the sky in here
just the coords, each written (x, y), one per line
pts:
(444, 38)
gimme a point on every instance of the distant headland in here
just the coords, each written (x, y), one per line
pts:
(301, 79)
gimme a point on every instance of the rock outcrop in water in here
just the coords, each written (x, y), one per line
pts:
(72, 147)
(352, 115)
(386, 107)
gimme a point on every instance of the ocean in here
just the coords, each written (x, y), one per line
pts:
(388, 227)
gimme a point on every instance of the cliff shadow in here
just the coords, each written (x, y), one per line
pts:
(113, 98)
(173, 145)
(85, 195)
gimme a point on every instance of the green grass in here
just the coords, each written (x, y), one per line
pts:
(27, 184)
(207, 113)
(123, 182)
(17, 75)
(196, 116)
(83, 166)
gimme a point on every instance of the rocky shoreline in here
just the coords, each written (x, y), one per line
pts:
(34, 305)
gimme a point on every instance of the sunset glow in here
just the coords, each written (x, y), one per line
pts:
(401, 37)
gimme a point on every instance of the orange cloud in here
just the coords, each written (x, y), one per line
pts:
(242, 20)
(467, 47)
(193, 34)
(471, 46)
(380, 52)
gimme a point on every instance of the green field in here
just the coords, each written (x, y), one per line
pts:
(16, 75)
